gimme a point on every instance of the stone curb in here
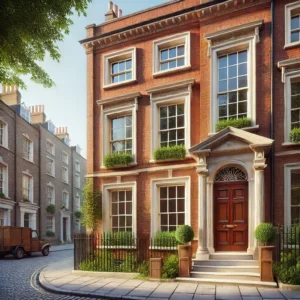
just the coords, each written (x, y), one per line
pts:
(288, 287)
(105, 274)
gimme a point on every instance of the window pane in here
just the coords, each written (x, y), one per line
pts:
(164, 136)
(223, 86)
(172, 53)
(180, 50)
(163, 124)
(232, 109)
(233, 97)
(172, 110)
(163, 192)
(129, 221)
(121, 196)
(180, 121)
(172, 64)
(295, 215)
(163, 112)
(242, 95)
(114, 210)
(172, 219)
(180, 191)
(163, 206)
(181, 219)
(121, 208)
(122, 221)
(128, 76)
(222, 74)
(242, 69)
(164, 55)
(115, 221)
(129, 64)
(180, 134)
(164, 66)
(180, 205)
(295, 36)
(172, 205)
(222, 111)
(128, 208)
(172, 122)
(180, 62)
(122, 77)
(128, 132)
(232, 59)
(122, 66)
(242, 56)
(164, 219)
(172, 192)
(232, 71)
(180, 109)
(222, 62)
(222, 99)
(232, 84)
(172, 135)
(115, 68)
(295, 116)
(242, 107)
(295, 23)
(242, 81)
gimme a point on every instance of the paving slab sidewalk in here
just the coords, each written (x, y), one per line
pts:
(58, 278)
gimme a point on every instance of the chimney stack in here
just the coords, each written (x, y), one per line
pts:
(62, 132)
(10, 95)
(37, 114)
(113, 12)
(120, 13)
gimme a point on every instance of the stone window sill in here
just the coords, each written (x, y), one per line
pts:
(153, 161)
(113, 85)
(288, 144)
(175, 70)
(291, 45)
(133, 164)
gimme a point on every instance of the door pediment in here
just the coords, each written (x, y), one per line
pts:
(232, 140)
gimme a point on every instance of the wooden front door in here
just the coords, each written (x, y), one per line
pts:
(231, 216)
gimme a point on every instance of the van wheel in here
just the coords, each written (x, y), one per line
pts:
(45, 251)
(19, 253)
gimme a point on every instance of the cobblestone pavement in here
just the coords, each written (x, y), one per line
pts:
(18, 277)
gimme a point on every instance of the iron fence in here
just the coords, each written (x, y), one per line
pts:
(118, 253)
(288, 245)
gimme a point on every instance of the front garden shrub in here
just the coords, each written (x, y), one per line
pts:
(184, 234)
(122, 238)
(2, 195)
(78, 214)
(173, 152)
(265, 233)
(165, 239)
(170, 266)
(295, 135)
(237, 123)
(294, 236)
(144, 268)
(117, 159)
(288, 269)
(50, 233)
(51, 209)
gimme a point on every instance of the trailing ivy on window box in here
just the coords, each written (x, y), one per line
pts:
(295, 135)
(122, 238)
(2, 195)
(237, 123)
(170, 153)
(165, 239)
(78, 214)
(117, 159)
(51, 209)
(50, 233)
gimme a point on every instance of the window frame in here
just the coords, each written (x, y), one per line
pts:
(289, 78)
(50, 159)
(106, 116)
(249, 44)
(77, 166)
(30, 158)
(106, 207)
(4, 134)
(50, 185)
(168, 42)
(5, 178)
(52, 223)
(287, 191)
(53, 147)
(31, 187)
(290, 9)
(155, 199)
(114, 57)
(67, 204)
(64, 157)
(67, 174)
(77, 183)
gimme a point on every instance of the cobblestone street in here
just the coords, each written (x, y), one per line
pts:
(18, 280)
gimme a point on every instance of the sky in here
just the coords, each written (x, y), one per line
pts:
(65, 103)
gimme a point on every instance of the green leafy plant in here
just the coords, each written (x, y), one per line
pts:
(91, 206)
(184, 234)
(165, 239)
(294, 237)
(144, 269)
(122, 238)
(50, 233)
(26, 200)
(63, 207)
(295, 135)
(237, 123)
(78, 214)
(170, 266)
(173, 152)
(288, 269)
(265, 233)
(117, 159)
(2, 195)
(51, 209)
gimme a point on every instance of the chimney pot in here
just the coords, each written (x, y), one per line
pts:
(120, 13)
(115, 9)
(110, 5)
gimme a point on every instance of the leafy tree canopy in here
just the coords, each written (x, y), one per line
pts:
(29, 29)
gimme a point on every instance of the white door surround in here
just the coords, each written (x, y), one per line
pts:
(65, 214)
(230, 147)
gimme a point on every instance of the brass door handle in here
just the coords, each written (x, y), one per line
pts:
(229, 226)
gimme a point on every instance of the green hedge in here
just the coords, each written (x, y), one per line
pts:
(122, 238)
(295, 135)
(170, 268)
(173, 152)
(165, 239)
(237, 123)
(78, 214)
(117, 159)
(50, 233)
(51, 209)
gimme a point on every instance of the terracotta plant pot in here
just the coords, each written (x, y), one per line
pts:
(266, 263)
(185, 251)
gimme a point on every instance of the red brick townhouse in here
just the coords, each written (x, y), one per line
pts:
(167, 76)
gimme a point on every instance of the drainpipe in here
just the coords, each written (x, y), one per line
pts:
(272, 112)
(40, 185)
(15, 193)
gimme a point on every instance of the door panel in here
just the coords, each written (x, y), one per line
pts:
(231, 216)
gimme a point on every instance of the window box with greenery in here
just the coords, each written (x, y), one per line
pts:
(237, 123)
(78, 214)
(118, 160)
(51, 209)
(50, 233)
(176, 152)
(2, 195)
(118, 239)
(295, 135)
(165, 240)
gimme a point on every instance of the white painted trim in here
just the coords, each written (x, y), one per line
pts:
(26, 173)
(138, 171)
(109, 58)
(6, 178)
(287, 191)
(26, 136)
(32, 217)
(288, 12)
(154, 196)
(249, 44)
(106, 211)
(64, 214)
(106, 116)
(62, 157)
(53, 147)
(173, 40)
(5, 133)
(50, 184)
(53, 166)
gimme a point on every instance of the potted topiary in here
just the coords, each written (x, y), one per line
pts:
(184, 234)
(265, 233)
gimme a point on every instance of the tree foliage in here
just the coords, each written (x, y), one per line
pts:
(28, 31)
(91, 207)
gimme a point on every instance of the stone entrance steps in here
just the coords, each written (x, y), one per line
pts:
(227, 268)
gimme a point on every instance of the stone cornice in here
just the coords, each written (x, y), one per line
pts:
(118, 98)
(289, 63)
(171, 86)
(184, 17)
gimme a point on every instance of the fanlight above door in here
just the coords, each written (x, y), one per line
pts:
(230, 174)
